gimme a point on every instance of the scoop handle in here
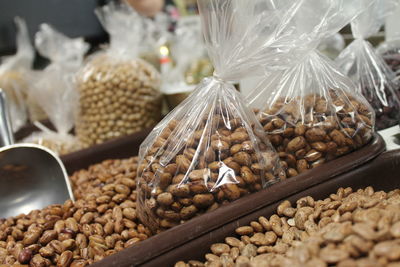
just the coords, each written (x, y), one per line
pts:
(6, 134)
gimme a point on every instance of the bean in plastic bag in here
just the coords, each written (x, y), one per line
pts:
(372, 76)
(211, 150)
(55, 88)
(118, 91)
(309, 110)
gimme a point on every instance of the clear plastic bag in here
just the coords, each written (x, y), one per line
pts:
(187, 50)
(13, 76)
(309, 110)
(54, 87)
(390, 48)
(118, 91)
(332, 45)
(186, 47)
(156, 34)
(211, 150)
(368, 70)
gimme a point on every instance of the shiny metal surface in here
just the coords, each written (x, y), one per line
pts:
(6, 135)
(31, 176)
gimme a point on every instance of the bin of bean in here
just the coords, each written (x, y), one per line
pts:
(211, 150)
(372, 76)
(118, 91)
(309, 110)
(101, 222)
(350, 221)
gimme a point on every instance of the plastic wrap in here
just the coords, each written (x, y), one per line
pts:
(118, 91)
(156, 34)
(332, 45)
(187, 47)
(368, 70)
(211, 150)
(390, 48)
(187, 53)
(54, 88)
(13, 76)
(310, 111)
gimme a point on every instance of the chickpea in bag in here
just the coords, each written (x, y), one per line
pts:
(373, 77)
(211, 150)
(54, 88)
(310, 111)
(118, 91)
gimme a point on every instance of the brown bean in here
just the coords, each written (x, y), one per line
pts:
(65, 259)
(165, 199)
(25, 255)
(244, 230)
(315, 134)
(203, 200)
(219, 248)
(297, 143)
(243, 159)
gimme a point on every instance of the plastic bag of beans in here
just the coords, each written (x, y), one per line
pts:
(13, 76)
(372, 76)
(211, 150)
(118, 91)
(54, 88)
(310, 111)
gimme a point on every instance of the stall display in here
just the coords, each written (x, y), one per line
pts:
(210, 150)
(209, 186)
(54, 88)
(14, 71)
(309, 110)
(372, 76)
(118, 91)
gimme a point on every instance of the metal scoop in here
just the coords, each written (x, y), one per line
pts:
(31, 176)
